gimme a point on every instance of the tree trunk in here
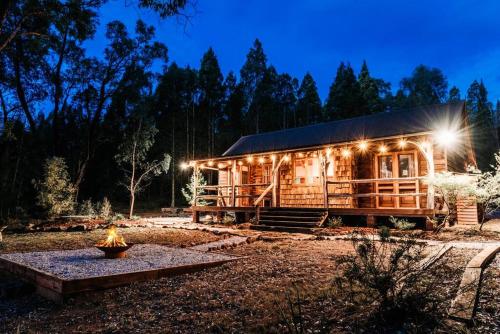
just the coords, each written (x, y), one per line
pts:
(172, 201)
(132, 202)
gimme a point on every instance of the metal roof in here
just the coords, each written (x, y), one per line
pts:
(379, 125)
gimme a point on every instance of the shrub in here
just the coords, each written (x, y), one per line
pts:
(385, 286)
(56, 194)
(228, 220)
(384, 233)
(188, 191)
(105, 211)
(401, 223)
(334, 222)
(87, 208)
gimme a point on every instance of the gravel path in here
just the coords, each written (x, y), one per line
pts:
(229, 242)
(89, 262)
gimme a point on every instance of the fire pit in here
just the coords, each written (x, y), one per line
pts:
(114, 247)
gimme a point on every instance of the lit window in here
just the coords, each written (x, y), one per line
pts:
(307, 171)
(385, 166)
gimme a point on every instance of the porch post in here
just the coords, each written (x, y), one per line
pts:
(233, 183)
(430, 173)
(195, 185)
(274, 178)
(323, 162)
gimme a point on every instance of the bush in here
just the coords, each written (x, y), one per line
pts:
(105, 211)
(87, 208)
(334, 222)
(384, 233)
(401, 223)
(56, 194)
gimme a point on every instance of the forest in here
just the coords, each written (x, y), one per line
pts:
(58, 101)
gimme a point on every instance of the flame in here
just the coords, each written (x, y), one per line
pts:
(113, 239)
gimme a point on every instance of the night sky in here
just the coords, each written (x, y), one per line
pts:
(462, 38)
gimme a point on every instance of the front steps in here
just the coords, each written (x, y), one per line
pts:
(292, 220)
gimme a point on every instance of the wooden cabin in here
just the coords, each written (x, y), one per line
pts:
(373, 166)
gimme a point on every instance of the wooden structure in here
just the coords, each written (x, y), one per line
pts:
(373, 165)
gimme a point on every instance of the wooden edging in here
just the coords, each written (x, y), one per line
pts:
(463, 307)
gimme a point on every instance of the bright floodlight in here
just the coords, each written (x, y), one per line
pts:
(446, 137)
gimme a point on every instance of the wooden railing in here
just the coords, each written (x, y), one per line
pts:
(383, 187)
(218, 194)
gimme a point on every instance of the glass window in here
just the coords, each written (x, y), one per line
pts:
(306, 171)
(385, 166)
(266, 174)
(406, 165)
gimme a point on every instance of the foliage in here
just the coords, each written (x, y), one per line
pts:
(308, 103)
(292, 314)
(451, 187)
(132, 157)
(481, 118)
(334, 222)
(384, 233)
(487, 189)
(425, 86)
(344, 97)
(401, 223)
(106, 210)
(56, 194)
(385, 282)
(188, 191)
(87, 208)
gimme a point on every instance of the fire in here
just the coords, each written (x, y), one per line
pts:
(113, 239)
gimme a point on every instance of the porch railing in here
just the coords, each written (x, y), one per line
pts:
(222, 195)
(382, 187)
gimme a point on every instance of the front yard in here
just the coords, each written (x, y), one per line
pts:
(258, 293)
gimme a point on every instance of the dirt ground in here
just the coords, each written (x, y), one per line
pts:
(243, 296)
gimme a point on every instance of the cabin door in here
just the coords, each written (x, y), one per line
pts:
(400, 166)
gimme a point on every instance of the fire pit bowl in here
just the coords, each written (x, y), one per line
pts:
(115, 252)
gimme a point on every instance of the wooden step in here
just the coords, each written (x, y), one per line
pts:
(307, 230)
(286, 217)
(294, 213)
(288, 223)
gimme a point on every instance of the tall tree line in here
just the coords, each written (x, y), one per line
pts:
(58, 101)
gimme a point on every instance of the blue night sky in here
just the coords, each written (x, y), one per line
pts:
(460, 37)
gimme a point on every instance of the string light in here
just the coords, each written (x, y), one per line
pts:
(202, 166)
(250, 159)
(210, 163)
(363, 145)
(220, 165)
(286, 158)
(328, 151)
(184, 165)
(192, 163)
(346, 153)
(240, 163)
(382, 148)
(301, 155)
(402, 143)
(273, 157)
(261, 160)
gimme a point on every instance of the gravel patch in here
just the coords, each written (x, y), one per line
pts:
(230, 242)
(90, 262)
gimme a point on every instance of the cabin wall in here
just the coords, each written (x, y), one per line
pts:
(291, 195)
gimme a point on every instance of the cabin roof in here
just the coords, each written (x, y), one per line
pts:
(380, 125)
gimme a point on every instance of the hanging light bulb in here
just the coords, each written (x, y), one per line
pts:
(346, 153)
(261, 160)
(250, 159)
(363, 145)
(382, 148)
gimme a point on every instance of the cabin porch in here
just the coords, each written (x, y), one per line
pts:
(377, 178)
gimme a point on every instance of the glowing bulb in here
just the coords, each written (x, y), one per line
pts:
(261, 160)
(346, 153)
(250, 159)
(363, 145)
(382, 148)
(328, 151)
(240, 163)
(210, 163)
(301, 155)
(184, 165)
(220, 165)
(202, 166)
(446, 137)
(402, 143)
(192, 163)
(286, 158)
(273, 157)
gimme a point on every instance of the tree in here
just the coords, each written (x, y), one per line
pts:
(487, 190)
(308, 103)
(344, 97)
(231, 125)
(454, 94)
(56, 192)
(188, 191)
(426, 86)
(252, 72)
(285, 96)
(483, 134)
(133, 158)
(370, 91)
(211, 95)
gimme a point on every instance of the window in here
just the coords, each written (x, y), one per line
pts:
(244, 175)
(406, 165)
(385, 166)
(266, 174)
(306, 171)
(330, 163)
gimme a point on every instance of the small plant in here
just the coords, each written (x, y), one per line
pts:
(105, 211)
(56, 193)
(228, 220)
(87, 208)
(334, 222)
(384, 233)
(118, 216)
(291, 314)
(401, 223)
